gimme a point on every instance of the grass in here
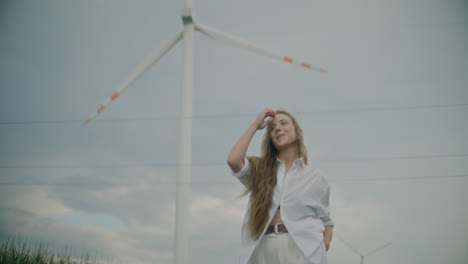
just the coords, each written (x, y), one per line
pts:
(13, 252)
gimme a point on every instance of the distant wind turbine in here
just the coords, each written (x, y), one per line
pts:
(359, 253)
(185, 115)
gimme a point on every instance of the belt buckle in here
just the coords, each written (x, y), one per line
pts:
(276, 229)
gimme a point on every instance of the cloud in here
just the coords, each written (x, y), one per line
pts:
(118, 244)
(215, 224)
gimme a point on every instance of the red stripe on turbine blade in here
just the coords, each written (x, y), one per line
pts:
(288, 59)
(323, 70)
(114, 96)
(305, 65)
(87, 121)
(101, 108)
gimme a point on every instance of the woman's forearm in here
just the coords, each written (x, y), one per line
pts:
(235, 159)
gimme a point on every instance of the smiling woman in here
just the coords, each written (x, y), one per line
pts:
(288, 218)
(89, 219)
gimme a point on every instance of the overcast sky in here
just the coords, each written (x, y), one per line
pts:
(388, 123)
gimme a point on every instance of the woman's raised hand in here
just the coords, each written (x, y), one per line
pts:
(262, 120)
(236, 158)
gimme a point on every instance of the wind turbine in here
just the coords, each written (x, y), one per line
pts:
(185, 115)
(359, 253)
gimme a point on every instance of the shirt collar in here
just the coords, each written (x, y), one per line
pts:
(299, 162)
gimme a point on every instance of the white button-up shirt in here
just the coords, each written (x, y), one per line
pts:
(303, 194)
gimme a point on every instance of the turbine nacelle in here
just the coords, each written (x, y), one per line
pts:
(188, 16)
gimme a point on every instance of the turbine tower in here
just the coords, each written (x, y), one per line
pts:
(185, 114)
(359, 253)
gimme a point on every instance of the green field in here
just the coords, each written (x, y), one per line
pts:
(14, 252)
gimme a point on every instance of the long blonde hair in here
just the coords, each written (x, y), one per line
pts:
(261, 180)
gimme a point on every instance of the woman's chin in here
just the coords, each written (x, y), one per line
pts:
(282, 146)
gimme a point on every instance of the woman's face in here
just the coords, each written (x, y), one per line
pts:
(283, 133)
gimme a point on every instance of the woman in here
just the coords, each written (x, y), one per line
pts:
(288, 219)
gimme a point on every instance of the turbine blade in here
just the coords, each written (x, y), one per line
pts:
(377, 249)
(348, 244)
(235, 41)
(153, 58)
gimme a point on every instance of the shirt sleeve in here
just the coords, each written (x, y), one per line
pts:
(325, 216)
(242, 174)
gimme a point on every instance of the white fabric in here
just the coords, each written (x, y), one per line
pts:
(304, 198)
(277, 249)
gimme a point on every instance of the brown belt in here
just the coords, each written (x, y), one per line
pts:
(278, 228)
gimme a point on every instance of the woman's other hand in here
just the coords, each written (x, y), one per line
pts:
(327, 236)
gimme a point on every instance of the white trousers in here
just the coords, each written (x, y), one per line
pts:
(277, 249)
